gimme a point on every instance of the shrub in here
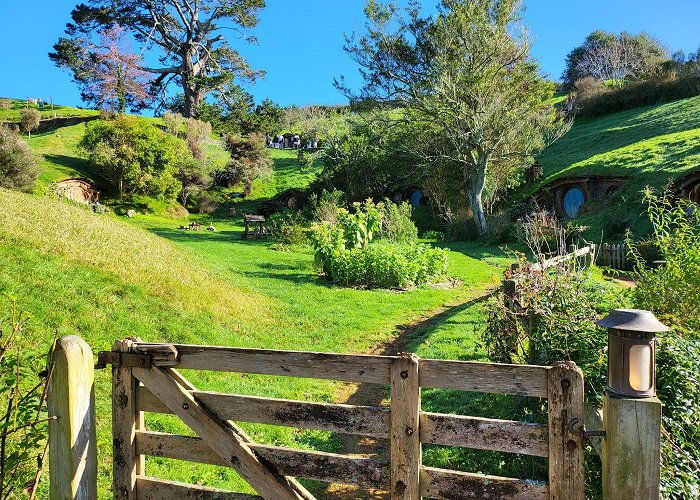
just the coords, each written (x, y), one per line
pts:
(325, 207)
(29, 119)
(386, 266)
(633, 95)
(433, 235)
(249, 161)
(17, 164)
(397, 226)
(135, 157)
(672, 291)
(206, 204)
(197, 134)
(5, 103)
(23, 423)
(305, 160)
(344, 253)
(174, 123)
(287, 228)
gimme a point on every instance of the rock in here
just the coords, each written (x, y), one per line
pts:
(131, 213)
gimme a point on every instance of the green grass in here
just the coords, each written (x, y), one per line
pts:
(651, 145)
(81, 273)
(48, 111)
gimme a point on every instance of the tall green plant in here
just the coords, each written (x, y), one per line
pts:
(23, 432)
(673, 290)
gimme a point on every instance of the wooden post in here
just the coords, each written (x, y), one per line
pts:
(72, 441)
(124, 424)
(631, 447)
(565, 402)
(405, 435)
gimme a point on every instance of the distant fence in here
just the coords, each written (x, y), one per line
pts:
(614, 256)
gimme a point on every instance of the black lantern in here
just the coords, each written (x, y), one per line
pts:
(632, 351)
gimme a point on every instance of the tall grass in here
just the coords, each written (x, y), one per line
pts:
(134, 255)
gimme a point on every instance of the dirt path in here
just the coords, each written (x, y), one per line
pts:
(409, 336)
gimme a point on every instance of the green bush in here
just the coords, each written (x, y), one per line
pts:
(672, 291)
(634, 95)
(135, 157)
(385, 265)
(287, 228)
(344, 253)
(396, 225)
(23, 418)
(678, 387)
(324, 207)
(17, 164)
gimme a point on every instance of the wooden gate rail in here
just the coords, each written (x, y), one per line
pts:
(271, 470)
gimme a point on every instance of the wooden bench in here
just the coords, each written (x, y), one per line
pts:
(257, 233)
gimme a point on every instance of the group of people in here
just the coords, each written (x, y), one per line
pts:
(40, 102)
(289, 141)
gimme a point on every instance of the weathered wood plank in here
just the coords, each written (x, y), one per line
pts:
(328, 467)
(218, 434)
(72, 441)
(345, 367)
(361, 420)
(439, 483)
(150, 488)
(124, 456)
(519, 380)
(405, 436)
(565, 402)
(187, 385)
(485, 434)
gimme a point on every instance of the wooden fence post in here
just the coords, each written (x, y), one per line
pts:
(565, 402)
(125, 462)
(631, 447)
(72, 440)
(405, 436)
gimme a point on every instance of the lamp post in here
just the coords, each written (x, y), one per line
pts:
(632, 352)
(631, 448)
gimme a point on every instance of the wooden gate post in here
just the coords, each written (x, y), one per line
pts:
(405, 436)
(72, 440)
(632, 447)
(565, 402)
(125, 421)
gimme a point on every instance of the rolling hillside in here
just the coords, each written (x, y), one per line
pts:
(651, 145)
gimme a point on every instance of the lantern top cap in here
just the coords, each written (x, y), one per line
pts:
(636, 320)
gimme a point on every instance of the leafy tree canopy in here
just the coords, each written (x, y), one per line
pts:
(187, 37)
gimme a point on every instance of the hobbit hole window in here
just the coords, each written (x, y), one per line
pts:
(573, 199)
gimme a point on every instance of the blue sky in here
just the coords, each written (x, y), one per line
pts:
(300, 42)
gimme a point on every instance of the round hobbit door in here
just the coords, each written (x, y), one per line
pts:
(416, 197)
(573, 199)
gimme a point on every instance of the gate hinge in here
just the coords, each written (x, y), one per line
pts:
(122, 359)
(585, 434)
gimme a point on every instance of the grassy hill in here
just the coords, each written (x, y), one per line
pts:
(651, 145)
(12, 113)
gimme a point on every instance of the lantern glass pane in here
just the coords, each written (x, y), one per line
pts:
(640, 367)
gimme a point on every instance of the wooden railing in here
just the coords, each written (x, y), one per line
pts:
(614, 256)
(144, 380)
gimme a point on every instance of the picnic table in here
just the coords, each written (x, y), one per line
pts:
(257, 233)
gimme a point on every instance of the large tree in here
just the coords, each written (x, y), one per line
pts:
(113, 77)
(190, 48)
(610, 57)
(465, 86)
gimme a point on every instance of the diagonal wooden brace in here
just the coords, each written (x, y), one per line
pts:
(220, 435)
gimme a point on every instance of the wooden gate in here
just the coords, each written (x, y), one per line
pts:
(145, 380)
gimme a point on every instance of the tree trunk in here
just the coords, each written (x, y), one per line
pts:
(475, 192)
